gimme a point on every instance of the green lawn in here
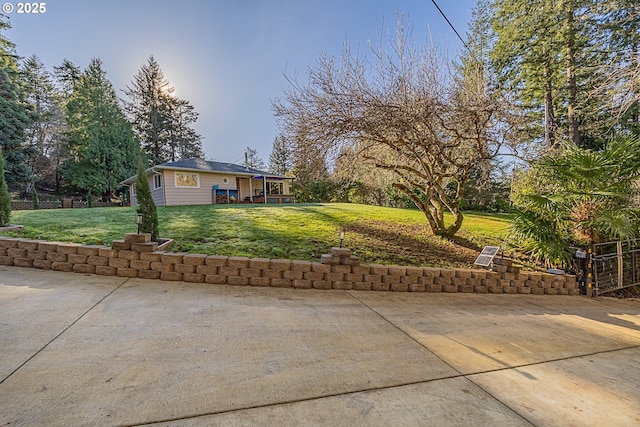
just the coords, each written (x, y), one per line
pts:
(301, 231)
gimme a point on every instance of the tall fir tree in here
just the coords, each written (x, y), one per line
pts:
(15, 115)
(546, 55)
(67, 75)
(162, 122)
(184, 141)
(101, 149)
(252, 159)
(279, 159)
(620, 35)
(45, 134)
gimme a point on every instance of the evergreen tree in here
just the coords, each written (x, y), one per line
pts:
(279, 160)
(100, 145)
(5, 199)
(546, 54)
(524, 58)
(67, 74)
(146, 205)
(620, 21)
(45, 134)
(162, 122)
(252, 159)
(185, 142)
(15, 116)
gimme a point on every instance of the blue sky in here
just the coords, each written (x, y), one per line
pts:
(226, 57)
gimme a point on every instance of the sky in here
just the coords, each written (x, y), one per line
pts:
(228, 58)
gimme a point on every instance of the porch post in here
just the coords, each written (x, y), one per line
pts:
(264, 191)
(250, 189)
(293, 191)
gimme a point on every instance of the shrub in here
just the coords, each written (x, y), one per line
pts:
(146, 205)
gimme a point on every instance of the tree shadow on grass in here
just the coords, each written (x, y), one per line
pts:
(374, 241)
(382, 242)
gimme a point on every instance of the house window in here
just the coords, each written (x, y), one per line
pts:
(187, 179)
(157, 182)
(275, 188)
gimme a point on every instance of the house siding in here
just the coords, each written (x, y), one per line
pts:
(176, 196)
(169, 194)
(133, 195)
(158, 193)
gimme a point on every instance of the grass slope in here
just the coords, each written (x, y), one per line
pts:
(301, 231)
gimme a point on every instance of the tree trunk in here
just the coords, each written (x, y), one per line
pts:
(635, 88)
(574, 134)
(457, 223)
(549, 115)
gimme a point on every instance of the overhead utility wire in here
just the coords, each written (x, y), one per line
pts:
(450, 24)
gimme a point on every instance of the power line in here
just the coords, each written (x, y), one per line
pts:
(450, 24)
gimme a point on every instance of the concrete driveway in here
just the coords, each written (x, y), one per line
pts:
(92, 350)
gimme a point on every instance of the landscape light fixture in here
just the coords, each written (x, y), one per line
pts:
(139, 221)
(341, 236)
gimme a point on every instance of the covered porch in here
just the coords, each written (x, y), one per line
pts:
(265, 189)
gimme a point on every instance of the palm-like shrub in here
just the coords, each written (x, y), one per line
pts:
(577, 197)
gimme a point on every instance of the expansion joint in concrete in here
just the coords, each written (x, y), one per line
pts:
(41, 349)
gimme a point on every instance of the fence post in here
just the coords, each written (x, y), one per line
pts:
(590, 272)
(620, 265)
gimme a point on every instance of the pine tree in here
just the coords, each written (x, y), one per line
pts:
(146, 205)
(620, 21)
(45, 134)
(550, 55)
(5, 199)
(15, 116)
(67, 74)
(162, 122)
(100, 145)
(252, 159)
(279, 160)
(185, 142)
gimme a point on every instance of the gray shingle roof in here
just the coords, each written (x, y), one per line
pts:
(210, 166)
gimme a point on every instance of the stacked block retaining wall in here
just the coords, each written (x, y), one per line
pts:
(136, 256)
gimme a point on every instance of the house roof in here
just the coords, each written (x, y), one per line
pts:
(199, 165)
(210, 166)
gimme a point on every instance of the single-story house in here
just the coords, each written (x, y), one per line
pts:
(200, 182)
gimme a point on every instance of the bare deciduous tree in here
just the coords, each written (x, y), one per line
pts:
(402, 109)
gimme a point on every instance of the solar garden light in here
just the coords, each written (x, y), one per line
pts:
(139, 221)
(341, 236)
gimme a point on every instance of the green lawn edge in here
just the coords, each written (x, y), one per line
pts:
(378, 235)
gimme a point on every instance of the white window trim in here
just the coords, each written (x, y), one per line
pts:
(159, 180)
